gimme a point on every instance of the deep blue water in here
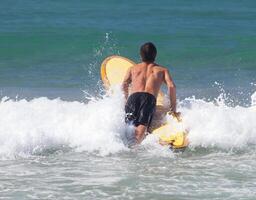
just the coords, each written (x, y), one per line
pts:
(61, 44)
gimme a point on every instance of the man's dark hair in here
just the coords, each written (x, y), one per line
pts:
(148, 52)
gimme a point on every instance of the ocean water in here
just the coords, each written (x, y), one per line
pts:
(61, 133)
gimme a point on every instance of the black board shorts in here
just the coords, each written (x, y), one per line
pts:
(140, 108)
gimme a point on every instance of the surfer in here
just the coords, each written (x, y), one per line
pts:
(146, 79)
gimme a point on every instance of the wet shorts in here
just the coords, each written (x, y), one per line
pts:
(140, 108)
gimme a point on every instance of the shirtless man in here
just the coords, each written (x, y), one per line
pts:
(146, 79)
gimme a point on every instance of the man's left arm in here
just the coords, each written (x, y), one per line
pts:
(127, 80)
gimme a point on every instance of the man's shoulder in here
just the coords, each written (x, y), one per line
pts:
(160, 67)
(136, 65)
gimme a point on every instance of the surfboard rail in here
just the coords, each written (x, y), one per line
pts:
(104, 68)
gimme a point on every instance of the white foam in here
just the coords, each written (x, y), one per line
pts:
(27, 127)
(213, 124)
(253, 99)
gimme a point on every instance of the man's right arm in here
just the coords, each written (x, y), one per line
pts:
(171, 89)
(127, 80)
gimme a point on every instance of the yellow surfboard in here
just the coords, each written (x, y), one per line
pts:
(113, 70)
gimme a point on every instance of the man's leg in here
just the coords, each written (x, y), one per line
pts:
(140, 133)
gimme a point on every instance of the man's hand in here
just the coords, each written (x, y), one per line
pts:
(176, 115)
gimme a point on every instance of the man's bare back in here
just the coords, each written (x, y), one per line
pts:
(148, 77)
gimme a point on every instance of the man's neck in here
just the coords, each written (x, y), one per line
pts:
(147, 63)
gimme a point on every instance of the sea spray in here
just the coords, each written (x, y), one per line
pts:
(106, 47)
(253, 99)
(32, 126)
(214, 124)
(41, 123)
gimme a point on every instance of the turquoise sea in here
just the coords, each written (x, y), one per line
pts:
(60, 135)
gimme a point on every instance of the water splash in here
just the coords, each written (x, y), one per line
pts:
(41, 123)
(108, 46)
(29, 127)
(219, 125)
(253, 99)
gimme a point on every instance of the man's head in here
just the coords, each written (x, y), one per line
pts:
(148, 52)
